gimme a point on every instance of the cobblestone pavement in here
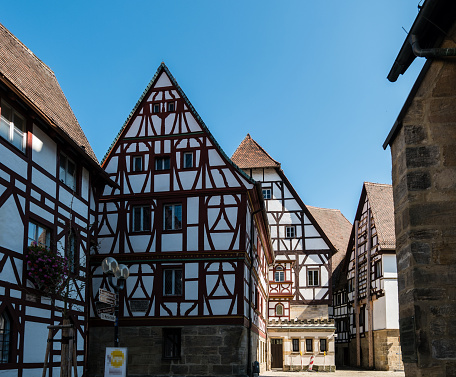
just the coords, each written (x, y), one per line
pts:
(338, 373)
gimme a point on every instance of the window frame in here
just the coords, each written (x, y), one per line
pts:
(323, 345)
(36, 236)
(377, 269)
(65, 169)
(184, 160)
(134, 168)
(171, 337)
(11, 124)
(267, 190)
(168, 107)
(71, 252)
(162, 163)
(173, 227)
(290, 231)
(156, 105)
(6, 333)
(279, 274)
(294, 342)
(144, 218)
(309, 341)
(174, 280)
(276, 310)
(312, 271)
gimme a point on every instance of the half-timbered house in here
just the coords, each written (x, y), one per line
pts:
(367, 294)
(192, 228)
(49, 177)
(300, 278)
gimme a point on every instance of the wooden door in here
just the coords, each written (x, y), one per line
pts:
(276, 353)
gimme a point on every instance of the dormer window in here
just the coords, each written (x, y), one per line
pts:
(290, 231)
(12, 126)
(170, 107)
(67, 173)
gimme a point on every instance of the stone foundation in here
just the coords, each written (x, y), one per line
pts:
(205, 351)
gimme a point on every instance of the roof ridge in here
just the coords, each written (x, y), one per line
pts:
(28, 50)
(377, 184)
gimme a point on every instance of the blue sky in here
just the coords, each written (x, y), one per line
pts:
(306, 79)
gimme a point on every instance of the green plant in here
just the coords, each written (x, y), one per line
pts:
(46, 268)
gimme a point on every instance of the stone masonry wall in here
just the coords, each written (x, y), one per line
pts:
(205, 351)
(424, 184)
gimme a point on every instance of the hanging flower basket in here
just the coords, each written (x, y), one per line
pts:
(46, 268)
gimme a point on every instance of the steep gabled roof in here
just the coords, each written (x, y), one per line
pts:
(249, 154)
(27, 75)
(164, 69)
(380, 198)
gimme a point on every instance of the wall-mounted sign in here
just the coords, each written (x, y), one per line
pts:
(116, 362)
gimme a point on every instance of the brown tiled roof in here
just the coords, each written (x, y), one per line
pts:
(20, 68)
(249, 154)
(380, 198)
(336, 227)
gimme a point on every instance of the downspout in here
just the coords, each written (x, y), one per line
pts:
(249, 334)
(429, 52)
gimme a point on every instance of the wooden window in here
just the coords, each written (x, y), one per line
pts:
(156, 108)
(171, 343)
(39, 235)
(377, 269)
(12, 126)
(323, 345)
(295, 344)
(67, 173)
(279, 274)
(188, 160)
(309, 345)
(140, 218)
(137, 163)
(172, 282)
(71, 252)
(290, 231)
(172, 214)
(170, 107)
(267, 193)
(279, 310)
(5, 338)
(313, 278)
(162, 163)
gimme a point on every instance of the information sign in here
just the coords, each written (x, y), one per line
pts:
(116, 362)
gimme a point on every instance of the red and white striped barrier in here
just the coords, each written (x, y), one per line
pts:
(311, 363)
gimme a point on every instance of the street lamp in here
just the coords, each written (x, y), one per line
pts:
(120, 272)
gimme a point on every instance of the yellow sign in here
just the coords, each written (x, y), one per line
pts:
(117, 358)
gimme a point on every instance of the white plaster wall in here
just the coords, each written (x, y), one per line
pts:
(9, 230)
(389, 266)
(172, 242)
(35, 340)
(44, 150)
(392, 303)
(43, 182)
(379, 314)
(13, 161)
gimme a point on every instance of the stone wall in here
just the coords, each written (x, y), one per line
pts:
(205, 351)
(304, 312)
(424, 184)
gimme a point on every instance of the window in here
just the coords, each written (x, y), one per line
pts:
(295, 344)
(351, 288)
(172, 282)
(377, 269)
(362, 316)
(279, 310)
(170, 106)
(172, 216)
(279, 274)
(309, 343)
(290, 231)
(171, 343)
(156, 108)
(39, 235)
(313, 278)
(12, 126)
(323, 345)
(162, 163)
(137, 163)
(267, 193)
(67, 172)
(188, 160)
(5, 337)
(140, 218)
(71, 252)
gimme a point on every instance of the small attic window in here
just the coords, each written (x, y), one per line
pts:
(170, 107)
(156, 108)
